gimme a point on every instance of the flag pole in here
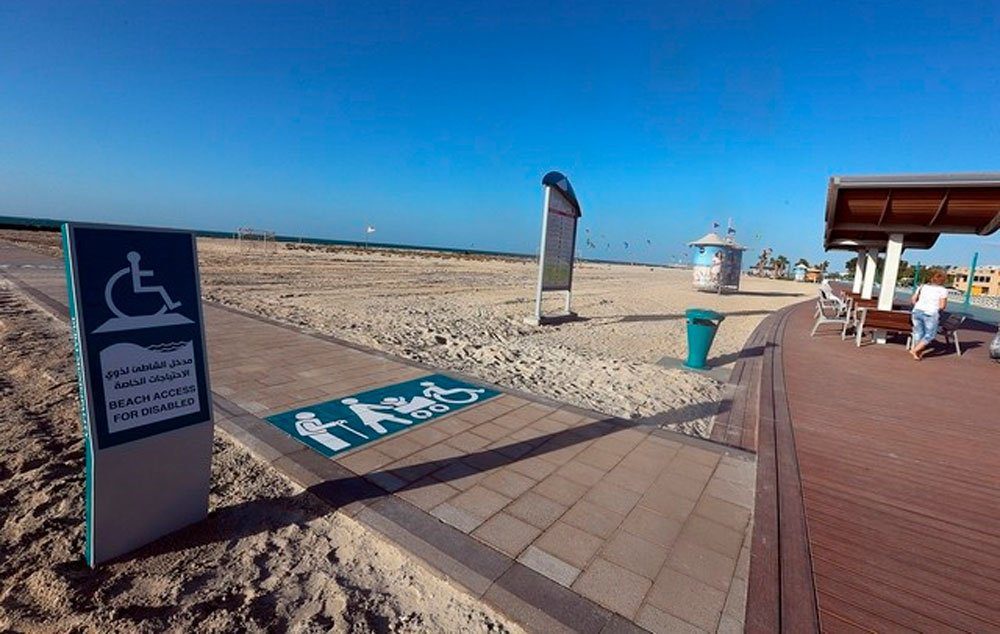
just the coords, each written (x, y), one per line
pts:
(968, 284)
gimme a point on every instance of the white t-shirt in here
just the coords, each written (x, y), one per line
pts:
(930, 298)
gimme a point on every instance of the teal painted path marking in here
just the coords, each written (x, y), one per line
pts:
(346, 423)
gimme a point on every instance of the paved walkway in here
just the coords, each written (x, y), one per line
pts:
(559, 517)
(878, 495)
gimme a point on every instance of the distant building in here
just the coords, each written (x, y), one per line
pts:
(814, 274)
(803, 273)
(986, 280)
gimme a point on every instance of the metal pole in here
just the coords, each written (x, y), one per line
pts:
(541, 257)
(968, 285)
(916, 276)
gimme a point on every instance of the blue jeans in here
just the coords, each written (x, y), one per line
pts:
(925, 326)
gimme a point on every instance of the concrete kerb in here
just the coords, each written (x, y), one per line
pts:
(37, 297)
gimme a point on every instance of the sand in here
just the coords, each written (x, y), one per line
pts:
(270, 557)
(466, 314)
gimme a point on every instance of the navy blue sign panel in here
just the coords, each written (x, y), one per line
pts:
(346, 423)
(136, 305)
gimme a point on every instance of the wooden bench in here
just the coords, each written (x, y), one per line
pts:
(889, 320)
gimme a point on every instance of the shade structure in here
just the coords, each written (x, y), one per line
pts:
(863, 211)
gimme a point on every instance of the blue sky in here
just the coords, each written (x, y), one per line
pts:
(436, 123)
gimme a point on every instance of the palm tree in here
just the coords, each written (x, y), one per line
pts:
(804, 262)
(782, 266)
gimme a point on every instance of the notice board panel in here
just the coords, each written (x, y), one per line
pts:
(560, 243)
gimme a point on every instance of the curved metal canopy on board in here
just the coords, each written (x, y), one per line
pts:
(560, 182)
(862, 211)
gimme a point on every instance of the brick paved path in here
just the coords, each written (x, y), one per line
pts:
(559, 517)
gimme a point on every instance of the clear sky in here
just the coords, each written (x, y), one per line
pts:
(435, 122)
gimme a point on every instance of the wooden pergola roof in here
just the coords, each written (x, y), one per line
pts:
(862, 211)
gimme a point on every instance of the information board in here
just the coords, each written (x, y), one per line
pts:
(135, 311)
(560, 244)
(558, 248)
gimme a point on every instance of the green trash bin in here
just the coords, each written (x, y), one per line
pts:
(701, 326)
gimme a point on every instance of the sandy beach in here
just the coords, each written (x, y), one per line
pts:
(269, 557)
(269, 550)
(466, 314)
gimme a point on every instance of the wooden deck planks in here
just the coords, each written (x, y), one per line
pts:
(780, 592)
(900, 481)
(737, 425)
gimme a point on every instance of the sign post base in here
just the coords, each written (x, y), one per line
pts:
(550, 320)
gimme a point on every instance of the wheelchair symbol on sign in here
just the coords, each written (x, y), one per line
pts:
(124, 321)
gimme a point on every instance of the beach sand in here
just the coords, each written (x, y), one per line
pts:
(270, 557)
(467, 313)
(270, 551)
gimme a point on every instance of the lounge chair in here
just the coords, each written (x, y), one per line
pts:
(831, 309)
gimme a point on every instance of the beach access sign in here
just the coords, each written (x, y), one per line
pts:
(560, 215)
(335, 427)
(145, 401)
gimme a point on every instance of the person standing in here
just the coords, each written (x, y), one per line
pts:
(928, 302)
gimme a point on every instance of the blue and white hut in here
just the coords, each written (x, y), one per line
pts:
(717, 262)
(800, 272)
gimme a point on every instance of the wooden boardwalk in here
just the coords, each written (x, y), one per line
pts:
(878, 485)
